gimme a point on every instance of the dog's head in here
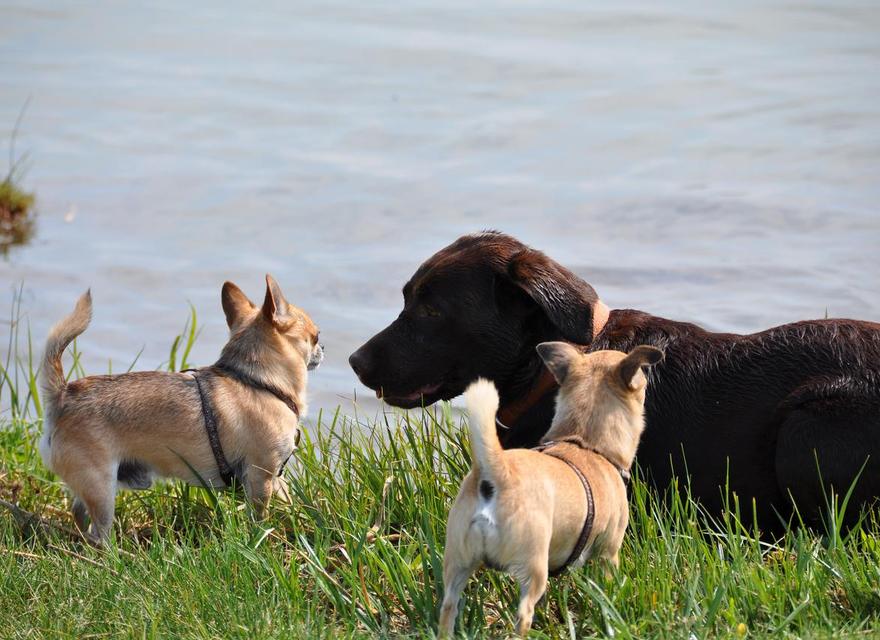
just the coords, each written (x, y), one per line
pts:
(276, 329)
(601, 394)
(475, 309)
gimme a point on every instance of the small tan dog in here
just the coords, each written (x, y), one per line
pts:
(238, 419)
(532, 513)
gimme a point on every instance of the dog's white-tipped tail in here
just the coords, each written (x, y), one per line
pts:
(481, 399)
(62, 334)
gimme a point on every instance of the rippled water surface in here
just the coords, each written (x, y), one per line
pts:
(717, 163)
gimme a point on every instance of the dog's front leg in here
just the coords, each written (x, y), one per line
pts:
(612, 564)
(259, 484)
(280, 489)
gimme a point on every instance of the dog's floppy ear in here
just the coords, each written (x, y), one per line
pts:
(631, 365)
(236, 305)
(558, 357)
(565, 299)
(275, 305)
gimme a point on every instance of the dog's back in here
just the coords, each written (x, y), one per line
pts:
(760, 410)
(138, 403)
(128, 413)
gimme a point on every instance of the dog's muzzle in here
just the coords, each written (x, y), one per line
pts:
(317, 357)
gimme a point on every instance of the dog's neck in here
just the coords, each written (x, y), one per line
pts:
(268, 366)
(537, 380)
(614, 435)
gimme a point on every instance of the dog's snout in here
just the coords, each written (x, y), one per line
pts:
(317, 357)
(358, 363)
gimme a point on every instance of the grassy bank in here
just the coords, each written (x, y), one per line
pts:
(16, 204)
(359, 553)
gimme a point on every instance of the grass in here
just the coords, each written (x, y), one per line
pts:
(359, 552)
(16, 204)
(16, 214)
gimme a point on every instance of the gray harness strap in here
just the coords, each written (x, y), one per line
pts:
(226, 473)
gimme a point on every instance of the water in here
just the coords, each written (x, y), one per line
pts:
(717, 164)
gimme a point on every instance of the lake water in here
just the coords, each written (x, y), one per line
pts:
(719, 164)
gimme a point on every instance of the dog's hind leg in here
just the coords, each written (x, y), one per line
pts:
(532, 584)
(826, 448)
(455, 577)
(80, 514)
(96, 493)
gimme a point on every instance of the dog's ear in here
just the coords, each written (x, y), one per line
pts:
(632, 364)
(565, 299)
(275, 308)
(558, 357)
(236, 305)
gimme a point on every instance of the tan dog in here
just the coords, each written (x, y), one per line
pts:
(529, 512)
(105, 432)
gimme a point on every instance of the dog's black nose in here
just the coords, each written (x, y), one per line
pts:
(357, 362)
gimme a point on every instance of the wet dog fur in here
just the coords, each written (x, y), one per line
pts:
(104, 433)
(778, 418)
(522, 511)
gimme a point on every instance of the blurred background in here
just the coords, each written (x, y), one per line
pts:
(713, 162)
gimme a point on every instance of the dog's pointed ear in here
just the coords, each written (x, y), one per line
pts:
(566, 300)
(558, 356)
(275, 305)
(629, 368)
(236, 305)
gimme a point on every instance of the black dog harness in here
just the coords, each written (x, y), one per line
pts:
(547, 449)
(227, 474)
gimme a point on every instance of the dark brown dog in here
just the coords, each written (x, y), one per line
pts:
(778, 415)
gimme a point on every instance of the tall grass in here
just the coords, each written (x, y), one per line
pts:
(358, 553)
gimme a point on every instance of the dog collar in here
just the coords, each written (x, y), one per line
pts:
(247, 380)
(601, 312)
(625, 474)
(509, 414)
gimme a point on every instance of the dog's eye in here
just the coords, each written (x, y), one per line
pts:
(427, 311)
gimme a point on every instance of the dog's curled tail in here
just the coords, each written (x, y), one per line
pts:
(62, 334)
(481, 399)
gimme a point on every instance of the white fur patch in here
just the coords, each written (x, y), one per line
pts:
(45, 446)
(483, 529)
(485, 512)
